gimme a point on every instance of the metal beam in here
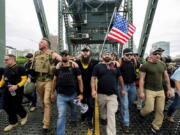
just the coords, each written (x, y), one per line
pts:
(42, 18)
(2, 31)
(60, 25)
(150, 12)
(130, 19)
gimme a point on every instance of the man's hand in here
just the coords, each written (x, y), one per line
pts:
(80, 97)
(170, 93)
(74, 64)
(94, 94)
(141, 95)
(52, 98)
(116, 63)
(13, 87)
(123, 92)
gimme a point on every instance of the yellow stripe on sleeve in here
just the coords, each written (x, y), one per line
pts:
(2, 82)
(23, 81)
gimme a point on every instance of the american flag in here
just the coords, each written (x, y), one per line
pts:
(122, 30)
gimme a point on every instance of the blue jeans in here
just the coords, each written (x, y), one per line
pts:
(126, 101)
(176, 104)
(62, 103)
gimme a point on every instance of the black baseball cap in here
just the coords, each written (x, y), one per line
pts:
(127, 50)
(86, 48)
(29, 55)
(135, 54)
(65, 52)
(153, 50)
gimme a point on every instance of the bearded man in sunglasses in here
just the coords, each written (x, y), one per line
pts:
(128, 69)
(150, 88)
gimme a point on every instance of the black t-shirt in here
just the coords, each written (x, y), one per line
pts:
(86, 74)
(1, 73)
(128, 71)
(67, 80)
(12, 75)
(107, 78)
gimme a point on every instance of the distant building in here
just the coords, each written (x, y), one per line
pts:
(14, 51)
(164, 45)
(10, 50)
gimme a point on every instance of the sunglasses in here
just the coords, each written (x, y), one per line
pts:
(64, 55)
(129, 54)
(85, 50)
(156, 54)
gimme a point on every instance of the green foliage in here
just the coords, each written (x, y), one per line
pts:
(21, 60)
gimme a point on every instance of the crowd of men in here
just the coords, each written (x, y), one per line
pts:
(110, 81)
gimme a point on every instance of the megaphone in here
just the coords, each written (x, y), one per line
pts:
(83, 107)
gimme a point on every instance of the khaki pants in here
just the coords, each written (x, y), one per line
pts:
(108, 106)
(155, 100)
(44, 90)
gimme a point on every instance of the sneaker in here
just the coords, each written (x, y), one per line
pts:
(155, 131)
(24, 120)
(90, 126)
(32, 109)
(103, 122)
(10, 127)
(126, 129)
(170, 119)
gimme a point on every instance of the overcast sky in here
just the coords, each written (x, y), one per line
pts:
(23, 31)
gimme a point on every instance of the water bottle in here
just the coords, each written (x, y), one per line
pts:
(83, 107)
(13, 93)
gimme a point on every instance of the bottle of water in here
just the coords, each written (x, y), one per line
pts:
(13, 93)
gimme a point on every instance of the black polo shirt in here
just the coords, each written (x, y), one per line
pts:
(13, 74)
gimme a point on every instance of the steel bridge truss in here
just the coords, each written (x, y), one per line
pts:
(86, 22)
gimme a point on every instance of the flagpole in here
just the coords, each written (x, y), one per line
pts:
(107, 31)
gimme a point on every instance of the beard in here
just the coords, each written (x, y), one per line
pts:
(85, 60)
(64, 60)
(107, 59)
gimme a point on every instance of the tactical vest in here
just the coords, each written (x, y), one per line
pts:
(43, 63)
(66, 78)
